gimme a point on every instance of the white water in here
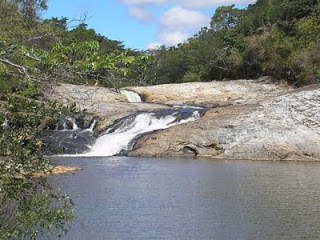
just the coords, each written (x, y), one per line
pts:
(113, 142)
(74, 125)
(93, 124)
(131, 95)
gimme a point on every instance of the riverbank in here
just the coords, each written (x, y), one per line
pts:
(246, 119)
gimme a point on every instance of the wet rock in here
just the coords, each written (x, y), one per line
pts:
(106, 103)
(246, 119)
(68, 141)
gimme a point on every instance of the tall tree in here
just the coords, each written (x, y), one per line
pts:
(225, 17)
(32, 8)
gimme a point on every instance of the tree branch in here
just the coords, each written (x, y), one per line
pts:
(19, 67)
(38, 37)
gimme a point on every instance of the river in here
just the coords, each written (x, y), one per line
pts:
(135, 198)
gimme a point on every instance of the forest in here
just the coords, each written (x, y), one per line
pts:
(278, 38)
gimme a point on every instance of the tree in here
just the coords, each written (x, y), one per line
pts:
(225, 18)
(32, 8)
(29, 207)
(270, 37)
(33, 53)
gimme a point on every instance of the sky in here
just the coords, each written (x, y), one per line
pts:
(142, 24)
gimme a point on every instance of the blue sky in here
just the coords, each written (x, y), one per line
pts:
(141, 24)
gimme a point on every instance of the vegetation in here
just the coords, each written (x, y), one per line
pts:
(279, 38)
(34, 54)
(271, 37)
(29, 207)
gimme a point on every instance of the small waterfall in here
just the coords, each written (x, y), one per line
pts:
(67, 124)
(131, 95)
(69, 137)
(74, 125)
(92, 124)
(121, 135)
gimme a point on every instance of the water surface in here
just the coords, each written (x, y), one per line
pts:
(132, 198)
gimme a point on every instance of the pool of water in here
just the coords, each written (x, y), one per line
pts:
(134, 198)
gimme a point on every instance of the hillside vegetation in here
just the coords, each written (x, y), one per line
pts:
(279, 38)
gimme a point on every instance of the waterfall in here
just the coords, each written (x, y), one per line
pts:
(120, 136)
(93, 124)
(67, 124)
(70, 124)
(131, 95)
(70, 138)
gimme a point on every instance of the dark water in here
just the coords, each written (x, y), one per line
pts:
(130, 198)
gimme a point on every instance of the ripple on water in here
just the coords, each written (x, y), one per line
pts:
(132, 198)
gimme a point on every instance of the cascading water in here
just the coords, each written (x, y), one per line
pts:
(120, 136)
(67, 124)
(93, 124)
(72, 121)
(69, 138)
(131, 95)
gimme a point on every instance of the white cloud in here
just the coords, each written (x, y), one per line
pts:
(141, 14)
(211, 3)
(177, 24)
(191, 4)
(172, 38)
(143, 2)
(154, 46)
(179, 18)
(182, 20)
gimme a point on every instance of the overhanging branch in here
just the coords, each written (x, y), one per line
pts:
(20, 68)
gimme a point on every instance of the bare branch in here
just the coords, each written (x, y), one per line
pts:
(38, 37)
(20, 68)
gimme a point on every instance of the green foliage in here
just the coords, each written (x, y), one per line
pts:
(87, 63)
(44, 51)
(29, 206)
(225, 18)
(31, 8)
(34, 54)
(271, 37)
(318, 75)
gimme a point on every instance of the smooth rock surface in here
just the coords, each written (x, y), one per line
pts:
(285, 127)
(215, 92)
(247, 119)
(106, 103)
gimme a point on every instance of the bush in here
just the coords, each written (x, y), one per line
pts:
(29, 206)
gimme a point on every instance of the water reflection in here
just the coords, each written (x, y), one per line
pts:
(128, 198)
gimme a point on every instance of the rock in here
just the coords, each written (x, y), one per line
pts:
(215, 92)
(106, 103)
(246, 119)
(47, 123)
(67, 142)
(285, 127)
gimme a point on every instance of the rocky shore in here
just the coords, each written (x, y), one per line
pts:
(246, 119)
